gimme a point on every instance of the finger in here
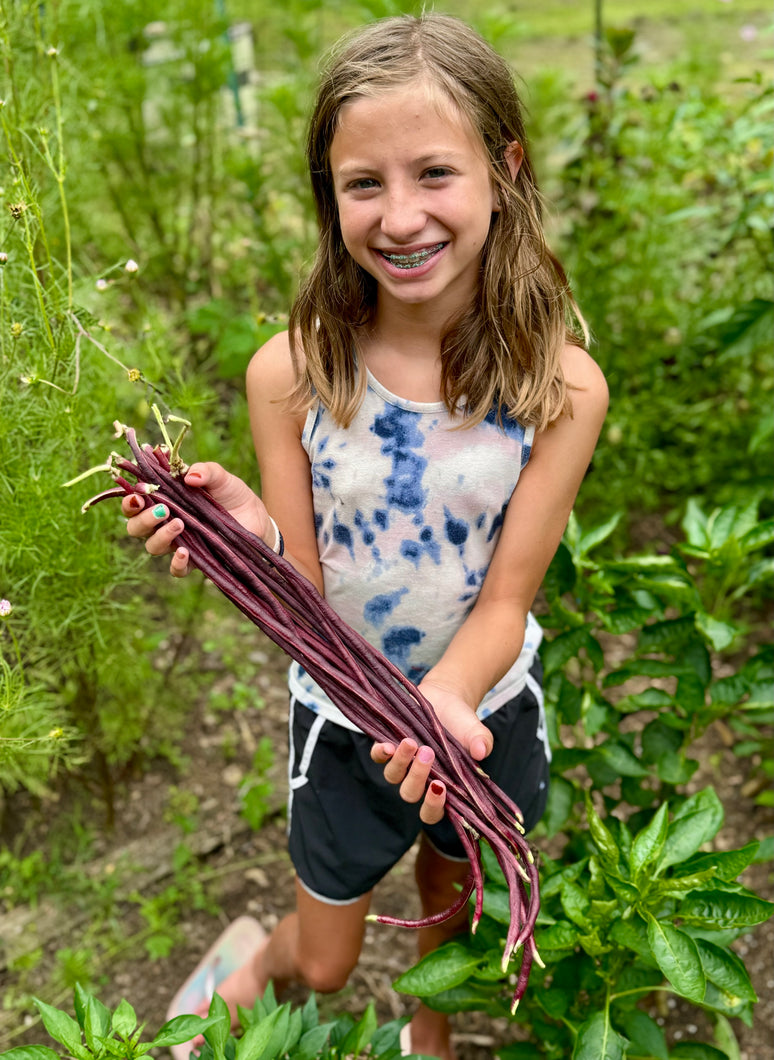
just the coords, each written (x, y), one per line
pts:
(147, 521)
(179, 565)
(382, 752)
(480, 742)
(163, 540)
(413, 787)
(434, 804)
(397, 767)
(132, 504)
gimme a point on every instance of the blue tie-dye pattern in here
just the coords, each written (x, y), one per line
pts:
(456, 530)
(378, 608)
(397, 643)
(400, 430)
(497, 523)
(321, 470)
(366, 532)
(342, 535)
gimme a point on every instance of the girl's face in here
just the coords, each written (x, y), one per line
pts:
(414, 195)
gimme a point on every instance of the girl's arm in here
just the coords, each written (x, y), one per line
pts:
(286, 480)
(489, 641)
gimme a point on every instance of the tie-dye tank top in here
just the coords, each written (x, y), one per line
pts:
(408, 513)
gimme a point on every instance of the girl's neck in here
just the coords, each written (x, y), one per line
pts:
(404, 354)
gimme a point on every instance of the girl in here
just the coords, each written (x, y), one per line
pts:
(422, 430)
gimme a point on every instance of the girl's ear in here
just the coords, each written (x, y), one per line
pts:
(514, 156)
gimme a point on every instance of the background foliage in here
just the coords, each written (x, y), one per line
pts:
(154, 218)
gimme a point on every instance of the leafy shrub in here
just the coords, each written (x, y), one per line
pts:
(268, 1032)
(664, 205)
(633, 905)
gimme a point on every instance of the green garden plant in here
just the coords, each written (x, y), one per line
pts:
(268, 1032)
(663, 207)
(633, 905)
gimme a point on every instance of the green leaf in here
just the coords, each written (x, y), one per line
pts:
(633, 935)
(61, 1027)
(644, 1034)
(598, 1040)
(720, 910)
(726, 1039)
(470, 997)
(312, 1041)
(719, 634)
(180, 1029)
(620, 759)
(497, 903)
(218, 1032)
(727, 864)
(561, 799)
(576, 904)
(694, 524)
(30, 1052)
(677, 957)
(444, 968)
(727, 971)
(96, 1023)
(559, 936)
(696, 1051)
(603, 838)
(591, 538)
(648, 844)
(124, 1019)
(257, 1038)
(694, 823)
(360, 1035)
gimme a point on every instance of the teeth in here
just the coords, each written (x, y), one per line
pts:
(411, 261)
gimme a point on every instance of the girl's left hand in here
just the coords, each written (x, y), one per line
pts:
(409, 765)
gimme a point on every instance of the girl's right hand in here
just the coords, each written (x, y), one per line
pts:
(151, 521)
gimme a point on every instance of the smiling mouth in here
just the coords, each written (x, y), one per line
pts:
(414, 260)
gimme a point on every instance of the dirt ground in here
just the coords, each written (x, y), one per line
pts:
(249, 872)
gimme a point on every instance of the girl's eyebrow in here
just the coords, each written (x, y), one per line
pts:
(435, 157)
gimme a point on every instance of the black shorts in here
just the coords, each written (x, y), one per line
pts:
(348, 826)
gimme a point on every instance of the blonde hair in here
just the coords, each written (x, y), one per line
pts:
(503, 350)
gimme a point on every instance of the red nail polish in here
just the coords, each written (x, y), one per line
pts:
(437, 787)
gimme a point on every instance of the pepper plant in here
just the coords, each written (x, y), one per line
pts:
(633, 905)
(268, 1031)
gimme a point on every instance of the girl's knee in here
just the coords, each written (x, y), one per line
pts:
(326, 975)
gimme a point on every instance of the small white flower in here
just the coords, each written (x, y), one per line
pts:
(131, 265)
(748, 32)
(102, 284)
(52, 53)
(5, 608)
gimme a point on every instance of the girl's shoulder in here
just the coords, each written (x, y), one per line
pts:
(272, 364)
(585, 380)
(272, 376)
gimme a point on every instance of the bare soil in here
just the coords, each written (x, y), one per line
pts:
(249, 872)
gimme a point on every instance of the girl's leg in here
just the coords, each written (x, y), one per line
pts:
(317, 945)
(436, 877)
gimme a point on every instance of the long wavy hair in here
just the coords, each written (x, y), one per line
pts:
(503, 349)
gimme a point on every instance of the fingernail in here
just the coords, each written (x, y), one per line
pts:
(160, 511)
(425, 754)
(134, 503)
(437, 787)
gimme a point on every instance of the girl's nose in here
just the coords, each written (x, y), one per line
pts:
(403, 215)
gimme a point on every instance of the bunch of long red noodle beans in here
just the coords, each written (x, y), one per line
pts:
(368, 689)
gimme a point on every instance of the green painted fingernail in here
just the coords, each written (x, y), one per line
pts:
(159, 511)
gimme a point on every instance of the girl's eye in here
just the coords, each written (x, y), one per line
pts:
(362, 184)
(437, 172)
